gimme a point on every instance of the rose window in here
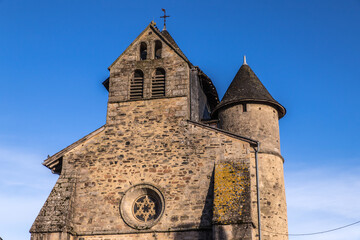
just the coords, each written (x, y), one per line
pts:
(146, 208)
(142, 206)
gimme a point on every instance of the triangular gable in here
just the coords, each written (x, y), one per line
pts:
(54, 162)
(166, 38)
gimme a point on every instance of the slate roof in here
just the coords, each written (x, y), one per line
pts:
(246, 88)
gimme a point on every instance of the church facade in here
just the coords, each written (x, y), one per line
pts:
(172, 160)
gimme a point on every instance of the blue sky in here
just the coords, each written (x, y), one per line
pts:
(54, 56)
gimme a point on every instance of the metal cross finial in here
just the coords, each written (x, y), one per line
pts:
(164, 17)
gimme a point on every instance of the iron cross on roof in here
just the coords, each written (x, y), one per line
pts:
(164, 17)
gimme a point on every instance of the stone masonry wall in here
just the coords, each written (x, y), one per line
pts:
(148, 142)
(53, 236)
(272, 197)
(260, 122)
(176, 235)
(232, 200)
(199, 101)
(177, 70)
(54, 215)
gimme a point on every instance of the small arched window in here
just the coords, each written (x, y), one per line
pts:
(143, 51)
(158, 83)
(158, 49)
(137, 85)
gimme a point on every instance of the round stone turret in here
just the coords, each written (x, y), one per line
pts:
(249, 110)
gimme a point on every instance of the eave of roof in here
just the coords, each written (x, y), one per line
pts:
(106, 83)
(230, 134)
(209, 88)
(247, 88)
(54, 160)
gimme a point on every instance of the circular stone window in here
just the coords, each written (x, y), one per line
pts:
(142, 206)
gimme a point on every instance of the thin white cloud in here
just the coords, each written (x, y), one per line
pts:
(321, 199)
(17, 215)
(22, 169)
(24, 187)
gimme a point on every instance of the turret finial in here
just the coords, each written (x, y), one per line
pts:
(244, 60)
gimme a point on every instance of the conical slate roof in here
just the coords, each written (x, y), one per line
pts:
(246, 88)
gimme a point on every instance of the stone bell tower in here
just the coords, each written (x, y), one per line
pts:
(248, 109)
(161, 167)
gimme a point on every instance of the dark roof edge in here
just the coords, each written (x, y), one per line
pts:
(59, 230)
(152, 26)
(53, 161)
(281, 109)
(230, 134)
(106, 83)
(210, 84)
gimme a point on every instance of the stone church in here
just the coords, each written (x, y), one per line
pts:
(172, 161)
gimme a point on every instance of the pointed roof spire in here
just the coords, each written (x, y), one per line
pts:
(244, 60)
(247, 88)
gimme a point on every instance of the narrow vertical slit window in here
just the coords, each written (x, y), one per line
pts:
(137, 85)
(244, 107)
(158, 83)
(158, 49)
(143, 51)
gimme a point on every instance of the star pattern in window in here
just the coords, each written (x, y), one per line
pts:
(145, 208)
